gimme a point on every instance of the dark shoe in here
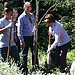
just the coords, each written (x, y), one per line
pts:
(25, 71)
(63, 71)
(33, 68)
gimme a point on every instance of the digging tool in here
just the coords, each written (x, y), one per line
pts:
(9, 41)
(49, 56)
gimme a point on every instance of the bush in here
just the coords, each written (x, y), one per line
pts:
(6, 69)
(70, 57)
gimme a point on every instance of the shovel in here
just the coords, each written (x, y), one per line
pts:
(9, 41)
(49, 56)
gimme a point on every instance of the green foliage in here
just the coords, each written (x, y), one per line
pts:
(70, 57)
(6, 69)
(43, 37)
(43, 65)
(18, 4)
(1, 9)
(49, 2)
(65, 14)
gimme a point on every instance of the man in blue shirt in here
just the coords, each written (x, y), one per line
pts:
(26, 32)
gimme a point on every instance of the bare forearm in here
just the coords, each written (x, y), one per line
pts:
(2, 30)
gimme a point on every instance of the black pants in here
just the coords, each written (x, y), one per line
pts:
(29, 43)
(60, 55)
(18, 45)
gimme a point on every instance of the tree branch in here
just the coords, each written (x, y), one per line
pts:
(31, 1)
(47, 12)
(24, 1)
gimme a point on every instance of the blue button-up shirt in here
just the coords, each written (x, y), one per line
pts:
(61, 36)
(25, 27)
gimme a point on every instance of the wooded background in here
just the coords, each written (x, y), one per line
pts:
(64, 12)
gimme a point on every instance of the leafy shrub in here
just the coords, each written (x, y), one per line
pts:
(70, 57)
(6, 69)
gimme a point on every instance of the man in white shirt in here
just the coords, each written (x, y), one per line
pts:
(62, 40)
(5, 26)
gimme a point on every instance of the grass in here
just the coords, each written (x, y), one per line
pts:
(7, 69)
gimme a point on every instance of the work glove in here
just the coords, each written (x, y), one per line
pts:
(10, 25)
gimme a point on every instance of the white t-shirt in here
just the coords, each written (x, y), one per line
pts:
(61, 36)
(4, 37)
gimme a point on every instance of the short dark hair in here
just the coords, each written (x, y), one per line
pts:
(8, 10)
(49, 18)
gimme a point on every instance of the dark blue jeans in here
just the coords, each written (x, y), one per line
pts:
(13, 53)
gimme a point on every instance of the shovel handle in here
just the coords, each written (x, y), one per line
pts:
(9, 41)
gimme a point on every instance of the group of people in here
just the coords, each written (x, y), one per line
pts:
(24, 27)
(22, 33)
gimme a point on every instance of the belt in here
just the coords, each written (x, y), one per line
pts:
(29, 36)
